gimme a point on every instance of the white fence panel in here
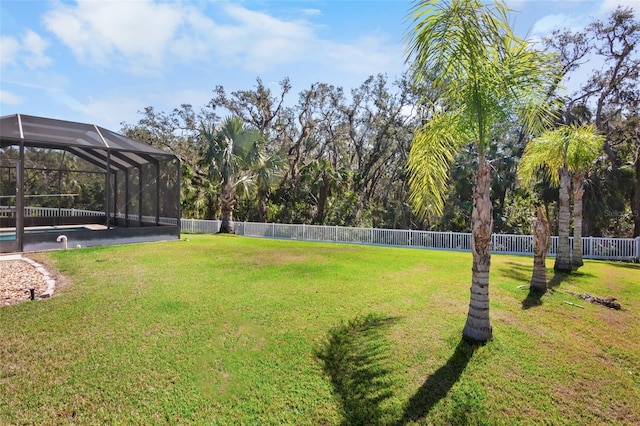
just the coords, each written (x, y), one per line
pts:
(612, 248)
(593, 247)
(197, 226)
(506, 243)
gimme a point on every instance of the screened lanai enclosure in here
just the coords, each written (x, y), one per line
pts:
(72, 184)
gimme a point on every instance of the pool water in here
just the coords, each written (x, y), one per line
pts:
(10, 235)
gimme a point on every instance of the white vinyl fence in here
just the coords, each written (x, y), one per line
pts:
(592, 247)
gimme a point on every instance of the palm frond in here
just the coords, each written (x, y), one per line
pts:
(472, 56)
(575, 146)
(435, 146)
(584, 147)
(544, 156)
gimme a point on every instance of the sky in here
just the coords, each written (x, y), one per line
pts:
(102, 62)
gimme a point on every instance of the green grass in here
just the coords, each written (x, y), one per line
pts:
(230, 330)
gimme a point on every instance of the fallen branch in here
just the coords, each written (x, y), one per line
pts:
(608, 302)
(574, 304)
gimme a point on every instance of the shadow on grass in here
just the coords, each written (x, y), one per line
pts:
(517, 272)
(626, 265)
(557, 279)
(438, 385)
(534, 298)
(355, 357)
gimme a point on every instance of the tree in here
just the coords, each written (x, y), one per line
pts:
(582, 152)
(486, 74)
(541, 243)
(610, 97)
(559, 153)
(178, 132)
(232, 152)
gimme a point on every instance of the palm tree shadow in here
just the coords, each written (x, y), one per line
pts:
(355, 358)
(516, 271)
(557, 279)
(438, 385)
(534, 298)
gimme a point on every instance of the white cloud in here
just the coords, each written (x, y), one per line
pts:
(366, 55)
(145, 37)
(9, 50)
(28, 49)
(582, 16)
(8, 98)
(312, 12)
(109, 112)
(259, 41)
(134, 34)
(35, 47)
(545, 26)
(609, 5)
(516, 5)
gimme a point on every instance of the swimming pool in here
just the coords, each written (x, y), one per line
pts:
(9, 234)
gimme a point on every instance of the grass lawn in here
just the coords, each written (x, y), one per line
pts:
(231, 330)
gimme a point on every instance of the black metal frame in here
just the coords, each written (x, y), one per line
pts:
(114, 155)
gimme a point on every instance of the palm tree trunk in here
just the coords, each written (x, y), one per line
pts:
(578, 191)
(228, 201)
(563, 256)
(541, 242)
(635, 201)
(262, 205)
(478, 326)
(322, 198)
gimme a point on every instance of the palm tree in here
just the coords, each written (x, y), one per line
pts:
(484, 74)
(585, 148)
(232, 152)
(558, 153)
(268, 170)
(541, 243)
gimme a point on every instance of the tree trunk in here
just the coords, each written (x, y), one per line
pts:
(563, 256)
(635, 202)
(478, 326)
(262, 205)
(322, 198)
(541, 242)
(578, 192)
(228, 202)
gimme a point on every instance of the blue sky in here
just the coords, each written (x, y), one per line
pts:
(104, 61)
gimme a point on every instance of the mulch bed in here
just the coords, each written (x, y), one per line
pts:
(17, 278)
